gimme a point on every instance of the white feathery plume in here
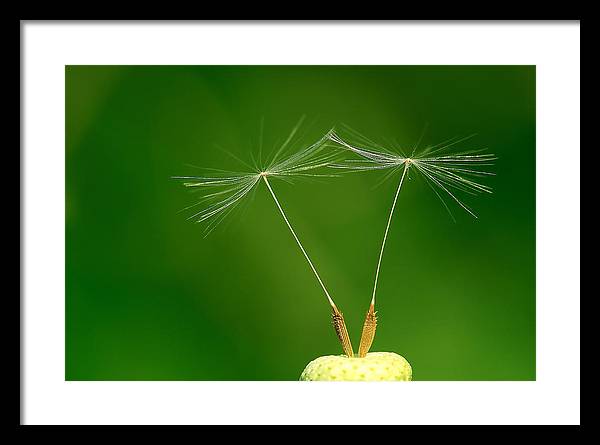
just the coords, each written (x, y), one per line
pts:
(445, 172)
(223, 191)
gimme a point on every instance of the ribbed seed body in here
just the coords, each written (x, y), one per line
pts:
(342, 332)
(368, 332)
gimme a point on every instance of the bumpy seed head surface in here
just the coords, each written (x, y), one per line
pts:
(376, 366)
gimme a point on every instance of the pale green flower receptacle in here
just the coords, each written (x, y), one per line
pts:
(376, 366)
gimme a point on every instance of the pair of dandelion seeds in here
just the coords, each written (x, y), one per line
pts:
(447, 171)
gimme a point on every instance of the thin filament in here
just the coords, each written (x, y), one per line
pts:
(298, 241)
(387, 228)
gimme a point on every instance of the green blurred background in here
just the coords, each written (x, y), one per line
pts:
(148, 298)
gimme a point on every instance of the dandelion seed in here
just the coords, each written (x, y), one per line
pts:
(222, 192)
(446, 174)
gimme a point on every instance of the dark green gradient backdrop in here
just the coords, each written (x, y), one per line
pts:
(148, 298)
